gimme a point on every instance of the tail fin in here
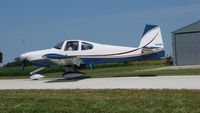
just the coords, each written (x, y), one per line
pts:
(151, 37)
(152, 42)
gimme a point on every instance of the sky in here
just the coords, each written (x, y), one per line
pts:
(41, 24)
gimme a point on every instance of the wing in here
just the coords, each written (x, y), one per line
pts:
(62, 59)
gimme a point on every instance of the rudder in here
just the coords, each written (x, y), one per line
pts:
(152, 37)
(151, 41)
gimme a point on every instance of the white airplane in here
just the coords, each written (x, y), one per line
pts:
(71, 53)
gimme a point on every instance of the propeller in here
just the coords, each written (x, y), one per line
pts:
(24, 61)
(23, 58)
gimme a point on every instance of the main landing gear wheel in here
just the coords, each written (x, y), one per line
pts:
(70, 73)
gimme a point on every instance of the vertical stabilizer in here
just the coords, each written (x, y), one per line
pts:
(151, 37)
(151, 42)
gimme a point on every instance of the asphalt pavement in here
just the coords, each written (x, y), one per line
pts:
(153, 82)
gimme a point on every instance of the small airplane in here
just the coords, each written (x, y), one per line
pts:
(74, 53)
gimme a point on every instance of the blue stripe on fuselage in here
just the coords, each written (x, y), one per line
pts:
(57, 56)
(42, 63)
(88, 61)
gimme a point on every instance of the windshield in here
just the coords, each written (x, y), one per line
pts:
(59, 46)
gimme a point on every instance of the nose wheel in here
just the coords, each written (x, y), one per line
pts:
(35, 76)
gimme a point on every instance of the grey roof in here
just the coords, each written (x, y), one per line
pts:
(194, 27)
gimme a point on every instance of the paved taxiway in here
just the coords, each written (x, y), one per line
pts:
(154, 82)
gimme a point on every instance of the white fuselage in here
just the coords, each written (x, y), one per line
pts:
(98, 50)
(76, 52)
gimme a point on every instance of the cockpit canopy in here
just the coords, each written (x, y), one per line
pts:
(59, 46)
(74, 45)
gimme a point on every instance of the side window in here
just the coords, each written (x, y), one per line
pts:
(86, 46)
(71, 46)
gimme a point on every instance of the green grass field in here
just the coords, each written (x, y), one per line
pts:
(100, 101)
(102, 70)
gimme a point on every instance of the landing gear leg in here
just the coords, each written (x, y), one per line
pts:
(35, 76)
(70, 73)
(91, 66)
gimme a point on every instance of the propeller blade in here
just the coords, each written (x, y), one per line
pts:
(23, 64)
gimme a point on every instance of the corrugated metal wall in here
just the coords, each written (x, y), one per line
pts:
(186, 45)
(187, 49)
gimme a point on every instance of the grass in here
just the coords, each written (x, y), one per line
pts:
(127, 73)
(100, 101)
(56, 71)
(102, 70)
(17, 71)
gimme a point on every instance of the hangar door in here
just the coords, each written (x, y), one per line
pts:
(187, 48)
